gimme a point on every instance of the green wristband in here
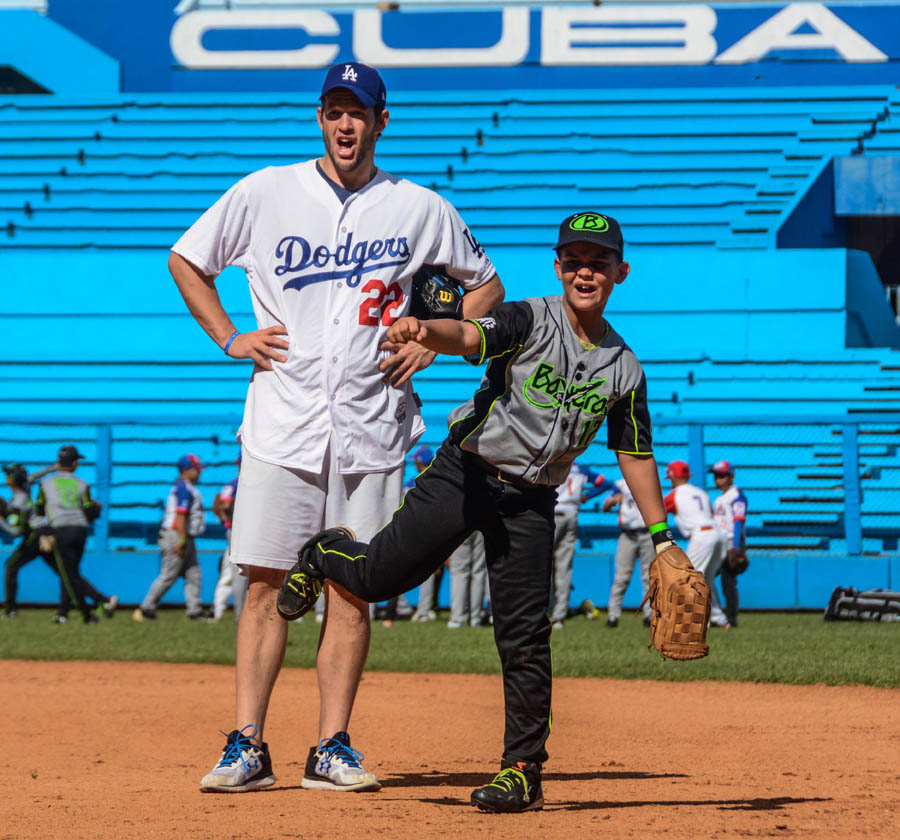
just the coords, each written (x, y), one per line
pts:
(660, 533)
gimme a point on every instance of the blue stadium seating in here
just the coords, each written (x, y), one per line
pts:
(776, 138)
(93, 192)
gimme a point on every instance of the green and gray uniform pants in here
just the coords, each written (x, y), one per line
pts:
(73, 588)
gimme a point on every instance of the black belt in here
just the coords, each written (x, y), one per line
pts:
(505, 478)
(635, 531)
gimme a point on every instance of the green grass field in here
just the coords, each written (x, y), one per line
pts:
(792, 648)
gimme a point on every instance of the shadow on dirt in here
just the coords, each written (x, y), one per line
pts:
(776, 803)
(438, 779)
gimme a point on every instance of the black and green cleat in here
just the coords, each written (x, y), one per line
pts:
(303, 584)
(514, 789)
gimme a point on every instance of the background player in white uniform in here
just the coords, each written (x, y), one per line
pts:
(694, 517)
(730, 510)
(634, 542)
(230, 583)
(581, 484)
(329, 247)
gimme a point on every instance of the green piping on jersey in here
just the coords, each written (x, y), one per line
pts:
(512, 352)
(636, 451)
(471, 359)
(339, 553)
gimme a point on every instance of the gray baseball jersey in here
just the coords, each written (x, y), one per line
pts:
(63, 497)
(545, 394)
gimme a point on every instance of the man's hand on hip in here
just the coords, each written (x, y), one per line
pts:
(260, 345)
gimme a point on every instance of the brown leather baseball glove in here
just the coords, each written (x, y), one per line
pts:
(679, 596)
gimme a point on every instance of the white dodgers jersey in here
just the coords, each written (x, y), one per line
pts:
(336, 275)
(691, 507)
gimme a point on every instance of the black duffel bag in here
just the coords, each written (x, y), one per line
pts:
(849, 604)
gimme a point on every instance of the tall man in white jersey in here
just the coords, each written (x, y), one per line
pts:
(694, 517)
(330, 247)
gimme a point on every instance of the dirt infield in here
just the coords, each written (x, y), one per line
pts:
(116, 750)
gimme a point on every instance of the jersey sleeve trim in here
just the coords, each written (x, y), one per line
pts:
(637, 449)
(193, 259)
(471, 358)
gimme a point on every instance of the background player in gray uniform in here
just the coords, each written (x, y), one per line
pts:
(634, 542)
(427, 596)
(730, 511)
(580, 485)
(468, 582)
(557, 370)
(65, 498)
(183, 521)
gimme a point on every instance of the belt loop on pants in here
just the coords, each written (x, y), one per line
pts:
(505, 478)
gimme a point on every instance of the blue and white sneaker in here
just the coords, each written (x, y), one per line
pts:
(333, 765)
(243, 766)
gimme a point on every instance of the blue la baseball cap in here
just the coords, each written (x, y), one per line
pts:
(186, 462)
(363, 81)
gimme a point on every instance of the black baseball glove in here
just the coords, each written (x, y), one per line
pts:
(736, 561)
(92, 511)
(435, 295)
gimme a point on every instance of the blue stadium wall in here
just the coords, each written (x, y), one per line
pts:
(740, 284)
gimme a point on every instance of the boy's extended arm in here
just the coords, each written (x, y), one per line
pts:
(442, 335)
(641, 475)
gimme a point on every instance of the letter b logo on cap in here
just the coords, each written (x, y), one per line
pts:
(589, 221)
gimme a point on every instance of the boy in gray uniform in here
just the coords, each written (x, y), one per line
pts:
(556, 371)
(65, 498)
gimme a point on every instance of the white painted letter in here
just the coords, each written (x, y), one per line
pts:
(186, 40)
(779, 33)
(511, 49)
(688, 41)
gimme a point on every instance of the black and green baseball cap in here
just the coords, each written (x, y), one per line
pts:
(591, 226)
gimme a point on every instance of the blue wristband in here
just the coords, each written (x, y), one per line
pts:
(234, 335)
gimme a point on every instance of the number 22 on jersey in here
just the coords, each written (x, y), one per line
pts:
(381, 304)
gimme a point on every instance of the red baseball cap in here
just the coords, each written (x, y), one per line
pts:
(678, 469)
(722, 467)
